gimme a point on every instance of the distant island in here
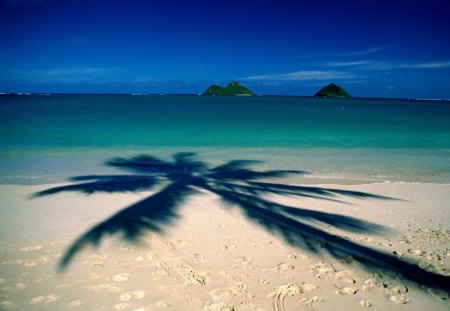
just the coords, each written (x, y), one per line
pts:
(233, 88)
(332, 90)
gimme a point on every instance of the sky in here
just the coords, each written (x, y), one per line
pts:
(371, 48)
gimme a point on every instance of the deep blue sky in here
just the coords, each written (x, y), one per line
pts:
(372, 48)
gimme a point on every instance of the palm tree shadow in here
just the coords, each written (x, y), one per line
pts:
(237, 184)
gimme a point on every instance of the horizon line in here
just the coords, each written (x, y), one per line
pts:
(200, 94)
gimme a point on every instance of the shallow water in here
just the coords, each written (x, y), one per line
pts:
(49, 138)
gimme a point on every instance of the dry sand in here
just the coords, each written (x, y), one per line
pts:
(213, 257)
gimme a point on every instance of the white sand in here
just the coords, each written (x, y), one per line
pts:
(214, 258)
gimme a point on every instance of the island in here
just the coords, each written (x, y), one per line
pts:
(233, 88)
(332, 90)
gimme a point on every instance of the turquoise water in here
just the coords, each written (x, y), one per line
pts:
(375, 140)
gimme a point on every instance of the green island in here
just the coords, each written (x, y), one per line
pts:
(233, 88)
(332, 90)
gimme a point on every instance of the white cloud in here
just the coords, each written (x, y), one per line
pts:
(438, 64)
(349, 64)
(374, 65)
(366, 51)
(66, 74)
(305, 75)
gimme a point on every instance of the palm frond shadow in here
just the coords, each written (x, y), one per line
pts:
(238, 185)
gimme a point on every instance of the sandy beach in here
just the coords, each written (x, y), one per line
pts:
(213, 256)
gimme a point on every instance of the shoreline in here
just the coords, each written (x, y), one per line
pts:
(322, 165)
(213, 257)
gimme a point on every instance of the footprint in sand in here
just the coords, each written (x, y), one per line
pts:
(281, 267)
(139, 258)
(309, 302)
(401, 289)
(399, 299)
(20, 286)
(31, 248)
(280, 294)
(6, 305)
(346, 291)
(120, 306)
(43, 299)
(106, 287)
(75, 303)
(34, 262)
(244, 262)
(308, 287)
(164, 304)
(219, 307)
(132, 295)
(94, 276)
(344, 277)
(320, 270)
(234, 287)
(227, 247)
(121, 277)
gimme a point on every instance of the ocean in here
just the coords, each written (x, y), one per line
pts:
(48, 138)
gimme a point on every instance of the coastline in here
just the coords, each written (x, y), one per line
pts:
(213, 257)
(321, 165)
